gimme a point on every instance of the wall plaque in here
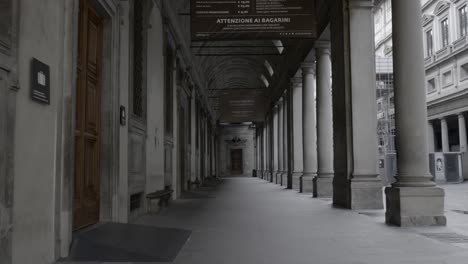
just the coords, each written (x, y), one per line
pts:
(252, 19)
(40, 82)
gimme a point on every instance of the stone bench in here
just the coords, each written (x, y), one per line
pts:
(164, 197)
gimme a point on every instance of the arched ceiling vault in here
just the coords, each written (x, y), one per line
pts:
(239, 64)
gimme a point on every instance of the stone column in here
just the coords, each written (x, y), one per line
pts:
(297, 149)
(430, 137)
(274, 144)
(280, 141)
(462, 132)
(262, 152)
(323, 183)
(284, 175)
(269, 146)
(445, 135)
(413, 200)
(193, 136)
(309, 129)
(257, 152)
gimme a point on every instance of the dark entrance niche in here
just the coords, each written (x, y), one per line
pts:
(237, 162)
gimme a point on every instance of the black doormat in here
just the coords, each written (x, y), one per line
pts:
(113, 242)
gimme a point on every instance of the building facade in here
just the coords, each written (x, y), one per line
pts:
(122, 116)
(446, 57)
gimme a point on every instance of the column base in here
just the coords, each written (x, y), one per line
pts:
(415, 206)
(360, 193)
(323, 186)
(278, 177)
(296, 181)
(284, 179)
(307, 183)
(366, 194)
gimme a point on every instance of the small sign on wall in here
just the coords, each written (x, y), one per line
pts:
(40, 82)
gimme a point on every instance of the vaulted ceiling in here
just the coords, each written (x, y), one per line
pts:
(241, 64)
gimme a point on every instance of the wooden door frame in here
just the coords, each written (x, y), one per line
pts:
(111, 209)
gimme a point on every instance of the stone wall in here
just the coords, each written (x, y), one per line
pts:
(244, 138)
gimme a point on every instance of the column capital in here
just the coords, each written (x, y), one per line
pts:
(460, 114)
(361, 4)
(308, 68)
(296, 82)
(322, 47)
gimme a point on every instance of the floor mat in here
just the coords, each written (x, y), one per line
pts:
(113, 242)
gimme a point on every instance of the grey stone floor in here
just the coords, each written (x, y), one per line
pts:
(247, 220)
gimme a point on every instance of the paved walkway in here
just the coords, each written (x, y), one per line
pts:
(247, 220)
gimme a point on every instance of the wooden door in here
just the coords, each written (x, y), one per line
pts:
(88, 113)
(237, 167)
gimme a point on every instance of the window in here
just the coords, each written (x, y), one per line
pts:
(393, 132)
(447, 79)
(381, 141)
(388, 11)
(464, 71)
(431, 86)
(445, 32)
(463, 21)
(429, 43)
(379, 107)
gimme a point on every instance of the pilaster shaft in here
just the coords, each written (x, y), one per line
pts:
(462, 132)
(284, 175)
(445, 135)
(430, 137)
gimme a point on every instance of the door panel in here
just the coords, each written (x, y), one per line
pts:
(237, 167)
(88, 118)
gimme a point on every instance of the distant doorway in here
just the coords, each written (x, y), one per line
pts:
(237, 161)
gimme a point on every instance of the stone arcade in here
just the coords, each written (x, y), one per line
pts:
(135, 108)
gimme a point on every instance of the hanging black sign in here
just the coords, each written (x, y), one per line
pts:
(252, 19)
(40, 83)
(242, 106)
